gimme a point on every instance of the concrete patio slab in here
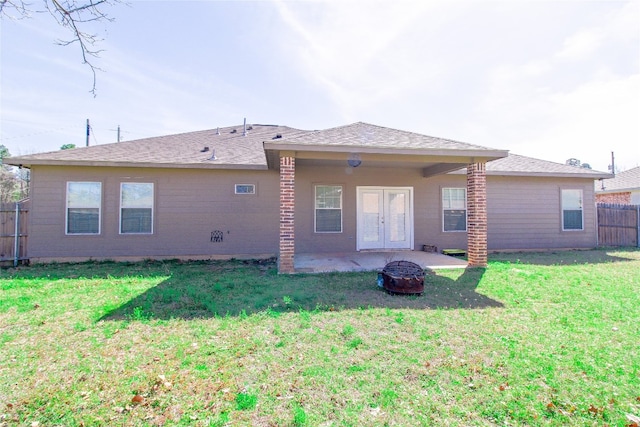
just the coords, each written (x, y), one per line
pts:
(371, 261)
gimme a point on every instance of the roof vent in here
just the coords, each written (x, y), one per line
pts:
(278, 136)
(205, 149)
(213, 155)
(218, 131)
(244, 132)
(234, 131)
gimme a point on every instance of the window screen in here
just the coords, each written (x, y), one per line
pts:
(136, 208)
(328, 209)
(572, 210)
(454, 209)
(84, 200)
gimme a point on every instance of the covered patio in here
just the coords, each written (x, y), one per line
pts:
(380, 154)
(371, 261)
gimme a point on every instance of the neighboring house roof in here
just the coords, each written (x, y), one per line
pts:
(517, 165)
(187, 150)
(628, 180)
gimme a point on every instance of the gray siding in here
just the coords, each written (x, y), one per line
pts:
(523, 212)
(526, 213)
(426, 197)
(189, 205)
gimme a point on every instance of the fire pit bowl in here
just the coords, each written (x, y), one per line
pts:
(403, 277)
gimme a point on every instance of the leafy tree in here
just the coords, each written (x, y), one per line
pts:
(8, 180)
(73, 15)
(68, 146)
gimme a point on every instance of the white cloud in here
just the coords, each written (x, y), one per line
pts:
(581, 45)
(595, 119)
(359, 52)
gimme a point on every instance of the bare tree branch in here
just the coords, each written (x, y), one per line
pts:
(73, 15)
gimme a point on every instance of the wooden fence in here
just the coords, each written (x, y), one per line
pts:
(9, 245)
(618, 225)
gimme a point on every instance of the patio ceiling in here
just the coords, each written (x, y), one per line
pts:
(433, 162)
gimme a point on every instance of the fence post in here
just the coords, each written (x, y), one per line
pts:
(16, 243)
(638, 225)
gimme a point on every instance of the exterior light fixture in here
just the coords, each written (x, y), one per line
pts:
(354, 160)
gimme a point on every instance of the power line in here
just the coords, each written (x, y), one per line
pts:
(28, 135)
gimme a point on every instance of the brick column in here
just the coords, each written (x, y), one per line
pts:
(287, 207)
(477, 214)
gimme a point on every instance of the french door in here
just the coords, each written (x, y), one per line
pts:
(385, 217)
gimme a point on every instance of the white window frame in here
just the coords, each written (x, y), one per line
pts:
(252, 192)
(316, 208)
(122, 184)
(82, 206)
(466, 210)
(562, 208)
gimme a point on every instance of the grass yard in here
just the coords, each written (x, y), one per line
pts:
(533, 340)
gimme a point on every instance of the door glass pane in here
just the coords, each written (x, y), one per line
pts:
(370, 202)
(371, 229)
(397, 217)
(371, 217)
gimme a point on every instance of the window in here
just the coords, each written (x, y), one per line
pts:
(84, 200)
(136, 208)
(245, 189)
(328, 203)
(454, 209)
(572, 210)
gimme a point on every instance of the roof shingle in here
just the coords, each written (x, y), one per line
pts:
(515, 164)
(231, 149)
(365, 135)
(627, 180)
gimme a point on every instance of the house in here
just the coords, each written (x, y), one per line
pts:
(265, 190)
(623, 189)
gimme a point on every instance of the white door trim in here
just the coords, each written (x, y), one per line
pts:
(383, 243)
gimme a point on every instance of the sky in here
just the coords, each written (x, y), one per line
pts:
(547, 79)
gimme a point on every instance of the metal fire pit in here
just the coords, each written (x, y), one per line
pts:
(403, 277)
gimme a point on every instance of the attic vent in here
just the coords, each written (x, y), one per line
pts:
(205, 149)
(249, 127)
(234, 131)
(278, 136)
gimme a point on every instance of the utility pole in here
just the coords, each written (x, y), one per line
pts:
(612, 166)
(118, 137)
(88, 132)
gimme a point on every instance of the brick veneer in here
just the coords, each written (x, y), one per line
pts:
(287, 207)
(477, 215)
(623, 198)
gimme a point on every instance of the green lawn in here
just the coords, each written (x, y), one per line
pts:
(535, 339)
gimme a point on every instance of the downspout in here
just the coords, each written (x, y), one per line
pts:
(16, 243)
(638, 225)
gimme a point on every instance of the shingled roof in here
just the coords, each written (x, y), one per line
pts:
(230, 148)
(366, 137)
(222, 148)
(517, 165)
(624, 181)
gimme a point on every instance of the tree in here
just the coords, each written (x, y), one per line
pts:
(74, 16)
(67, 146)
(8, 180)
